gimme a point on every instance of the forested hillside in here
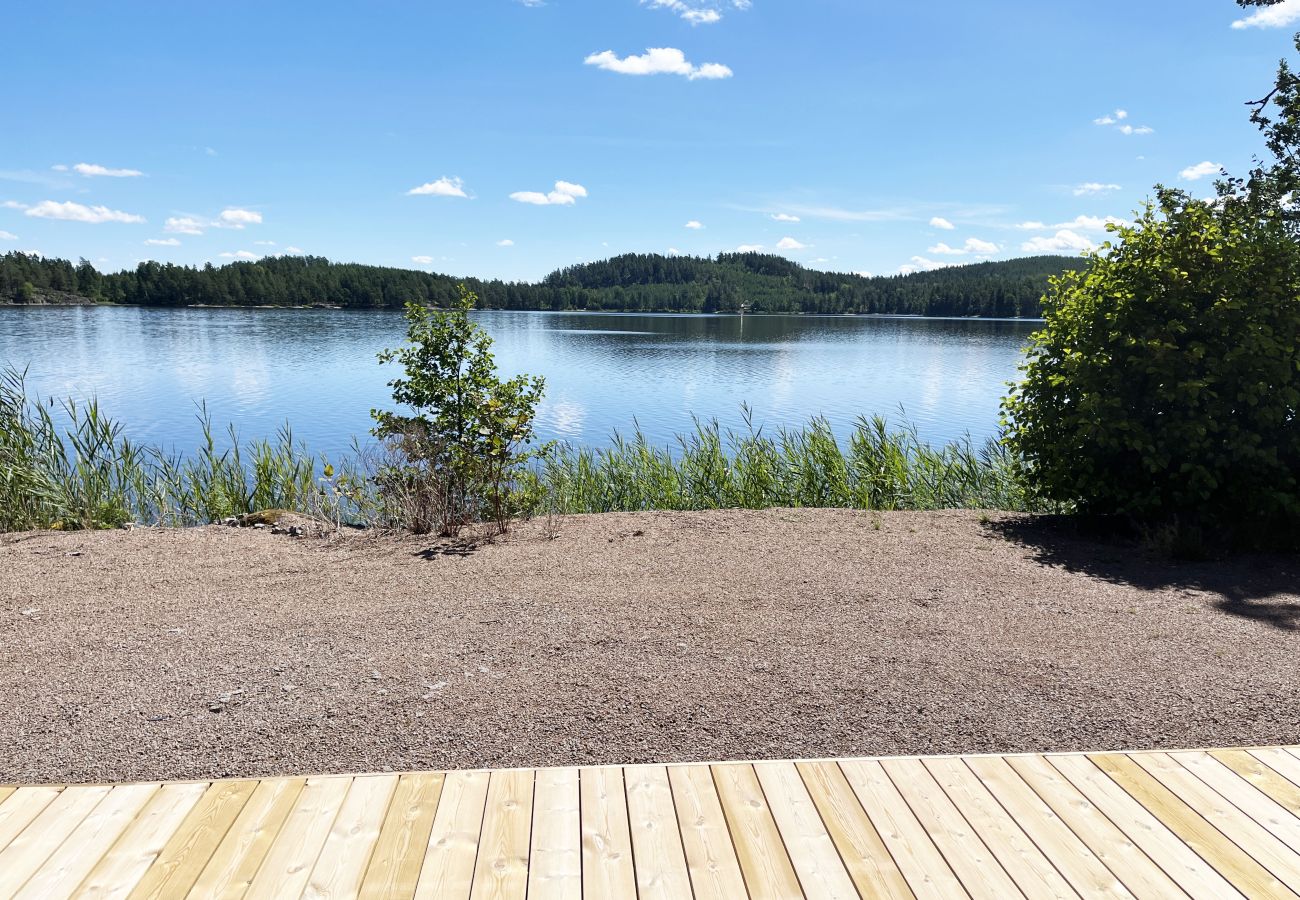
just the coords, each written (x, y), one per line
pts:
(633, 282)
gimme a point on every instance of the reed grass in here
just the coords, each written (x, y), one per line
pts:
(84, 473)
(880, 468)
(77, 470)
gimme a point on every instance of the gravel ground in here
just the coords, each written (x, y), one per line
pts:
(220, 652)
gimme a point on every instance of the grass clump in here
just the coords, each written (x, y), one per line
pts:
(881, 468)
(87, 474)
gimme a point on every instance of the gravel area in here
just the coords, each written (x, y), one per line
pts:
(219, 652)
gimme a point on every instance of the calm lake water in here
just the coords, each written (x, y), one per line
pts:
(317, 369)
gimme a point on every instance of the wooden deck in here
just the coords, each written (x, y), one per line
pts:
(1204, 824)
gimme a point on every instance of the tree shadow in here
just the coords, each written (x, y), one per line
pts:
(1261, 587)
(455, 548)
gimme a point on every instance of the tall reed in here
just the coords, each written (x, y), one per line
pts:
(880, 468)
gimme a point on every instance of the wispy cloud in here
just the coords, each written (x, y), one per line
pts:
(443, 187)
(1078, 223)
(658, 61)
(565, 194)
(8, 236)
(1278, 16)
(76, 212)
(1062, 241)
(163, 242)
(241, 254)
(750, 248)
(232, 217)
(789, 243)
(694, 225)
(921, 264)
(506, 242)
(699, 12)
(91, 170)
(941, 222)
(422, 260)
(785, 217)
(1089, 188)
(184, 225)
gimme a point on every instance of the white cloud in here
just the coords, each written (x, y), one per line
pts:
(694, 225)
(789, 243)
(972, 245)
(264, 243)
(76, 212)
(837, 214)
(702, 16)
(921, 264)
(700, 12)
(292, 249)
(184, 225)
(533, 4)
(1078, 223)
(1117, 119)
(673, 251)
(864, 274)
(1095, 187)
(90, 170)
(443, 187)
(505, 243)
(941, 222)
(242, 254)
(237, 218)
(13, 204)
(8, 236)
(657, 61)
(565, 194)
(163, 242)
(1062, 241)
(1271, 17)
(422, 260)
(1200, 170)
(750, 248)
(785, 217)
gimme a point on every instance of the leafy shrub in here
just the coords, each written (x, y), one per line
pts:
(1165, 385)
(459, 457)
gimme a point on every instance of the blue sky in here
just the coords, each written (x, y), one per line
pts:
(851, 135)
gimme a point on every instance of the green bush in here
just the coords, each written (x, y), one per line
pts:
(1165, 385)
(458, 458)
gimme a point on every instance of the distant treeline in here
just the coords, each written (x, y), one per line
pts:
(629, 283)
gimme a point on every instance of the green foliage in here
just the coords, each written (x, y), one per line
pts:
(629, 283)
(1166, 383)
(88, 475)
(880, 469)
(464, 445)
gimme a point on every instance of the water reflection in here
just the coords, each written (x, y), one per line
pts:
(317, 369)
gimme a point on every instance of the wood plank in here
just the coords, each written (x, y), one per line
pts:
(1209, 824)
(1282, 790)
(1139, 872)
(763, 858)
(343, 860)
(977, 868)
(1081, 867)
(189, 850)
(555, 861)
(1192, 873)
(399, 853)
(141, 844)
(68, 866)
(37, 842)
(710, 855)
(501, 872)
(864, 854)
(657, 853)
(22, 806)
(448, 872)
(816, 860)
(607, 868)
(1032, 872)
(288, 864)
(5, 791)
(1279, 761)
(1241, 793)
(242, 849)
(927, 872)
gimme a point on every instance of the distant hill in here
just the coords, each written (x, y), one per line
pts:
(628, 283)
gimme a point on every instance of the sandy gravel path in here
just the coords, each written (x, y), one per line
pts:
(227, 652)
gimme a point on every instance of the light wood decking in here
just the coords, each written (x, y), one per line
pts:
(1204, 824)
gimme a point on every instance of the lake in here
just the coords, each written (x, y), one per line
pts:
(317, 369)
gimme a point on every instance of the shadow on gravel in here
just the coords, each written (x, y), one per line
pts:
(1265, 588)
